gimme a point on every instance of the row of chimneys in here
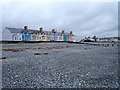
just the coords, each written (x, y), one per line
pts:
(41, 30)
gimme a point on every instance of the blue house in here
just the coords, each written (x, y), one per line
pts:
(65, 38)
(54, 35)
(26, 36)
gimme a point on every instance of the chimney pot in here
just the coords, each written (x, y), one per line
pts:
(26, 28)
(63, 31)
(70, 32)
(41, 29)
(53, 30)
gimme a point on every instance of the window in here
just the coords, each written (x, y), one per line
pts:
(60, 38)
(43, 37)
(40, 38)
(15, 37)
(12, 37)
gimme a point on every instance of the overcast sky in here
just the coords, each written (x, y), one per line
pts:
(83, 18)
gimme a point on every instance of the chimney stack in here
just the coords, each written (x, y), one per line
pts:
(26, 28)
(63, 31)
(70, 32)
(53, 30)
(41, 30)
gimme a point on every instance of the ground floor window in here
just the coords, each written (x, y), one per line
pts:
(60, 38)
(43, 37)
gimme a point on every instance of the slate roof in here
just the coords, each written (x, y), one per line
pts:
(14, 30)
(20, 30)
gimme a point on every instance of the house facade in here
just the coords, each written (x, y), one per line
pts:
(60, 37)
(108, 39)
(26, 34)
(12, 34)
(65, 37)
(71, 37)
(17, 37)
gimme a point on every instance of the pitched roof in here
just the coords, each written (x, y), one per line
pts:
(14, 30)
(19, 30)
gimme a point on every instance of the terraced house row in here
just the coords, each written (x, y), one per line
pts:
(26, 34)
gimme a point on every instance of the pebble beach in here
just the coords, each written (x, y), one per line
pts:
(59, 65)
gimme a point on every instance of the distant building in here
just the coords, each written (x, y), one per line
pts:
(90, 39)
(26, 34)
(108, 39)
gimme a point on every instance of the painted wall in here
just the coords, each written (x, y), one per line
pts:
(26, 37)
(39, 37)
(17, 37)
(7, 35)
(44, 38)
(60, 38)
(52, 37)
(70, 38)
(65, 37)
(35, 37)
(55, 37)
(48, 37)
(74, 39)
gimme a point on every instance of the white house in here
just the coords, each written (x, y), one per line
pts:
(12, 34)
(34, 35)
(108, 39)
(60, 36)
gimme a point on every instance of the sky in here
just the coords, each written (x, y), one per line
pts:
(83, 18)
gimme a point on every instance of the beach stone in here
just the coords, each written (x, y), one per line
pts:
(59, 65)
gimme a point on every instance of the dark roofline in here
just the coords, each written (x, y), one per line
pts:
(34, 30)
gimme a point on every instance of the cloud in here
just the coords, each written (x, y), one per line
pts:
(83, 18)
